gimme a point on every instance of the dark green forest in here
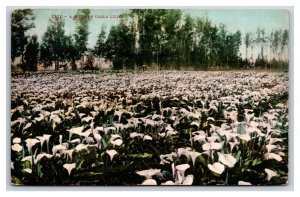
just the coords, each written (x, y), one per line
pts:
(160, 38)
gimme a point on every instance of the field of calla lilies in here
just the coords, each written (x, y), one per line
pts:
(149, 128)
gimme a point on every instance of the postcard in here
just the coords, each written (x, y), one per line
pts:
(103, 97)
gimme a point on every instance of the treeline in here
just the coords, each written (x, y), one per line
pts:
(152, 37)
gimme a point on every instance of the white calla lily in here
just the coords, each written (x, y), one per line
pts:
(111, 153)
(270, 174)
(40, 156)
(269, 156)
(168, 183)
(244, 183)
(148, 173)
(193, 155)
(188, 180)
(147, 137)
(27, 170)
(227, 159)
(30, 142)
(69, 167)
(59, 148)
(17, 147)
(80, 147)
(17, 140)
(149, 182)
(212, 146)
(216, 167)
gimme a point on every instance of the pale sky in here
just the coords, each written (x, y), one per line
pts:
(245, 20)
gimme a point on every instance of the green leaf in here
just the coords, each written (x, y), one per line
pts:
(144, 155)
(16, 181)
(241, 129)
(104, 144)
(88, 174)
(202, 160)
(256, 162)
(247, 162)
(39, 170)
(238, 155)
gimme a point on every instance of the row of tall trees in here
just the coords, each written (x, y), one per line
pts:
(270, 47)
(165, 38)
(21, 22)
(55, 48)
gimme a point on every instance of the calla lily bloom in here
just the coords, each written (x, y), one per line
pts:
(69, 167)
(148, 173)
(216, 167)
(193, 155)
(75, 141)
(270, 174)
(111, 153)
(59, 148)
(149, 182)
(40, 156)
(199, 136)
(97, 138)
(27, 126)
(115, 140)
(87, 119)
(135, 134)
(168, 183)
(270, 147)
(212, 146)
(69, 153)
(42, 140)
(80, 147)
(188, 180)
(16, 147)
(274, 140)
(30, 142)
(28, 158)
(245, 137)
(16, 140)
(147, 137)
(227, 159)
(27, 170)
(182, 168)
(273, 156)
(244, 183)
(183, 151)
(85, 134)
(166, 159)
(75, 130)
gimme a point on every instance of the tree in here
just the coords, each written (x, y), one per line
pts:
(31, 54)
(121, 46)
(56, 46)
(82, 32)
(186, 35)
(261, 40)
(284, 40)
(248, 41)
(70, 51)
(99, 48)
(21, 22)
(170, 27)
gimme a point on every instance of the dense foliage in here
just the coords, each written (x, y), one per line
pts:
(165, 128)
(164, 38)
(21, 22)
